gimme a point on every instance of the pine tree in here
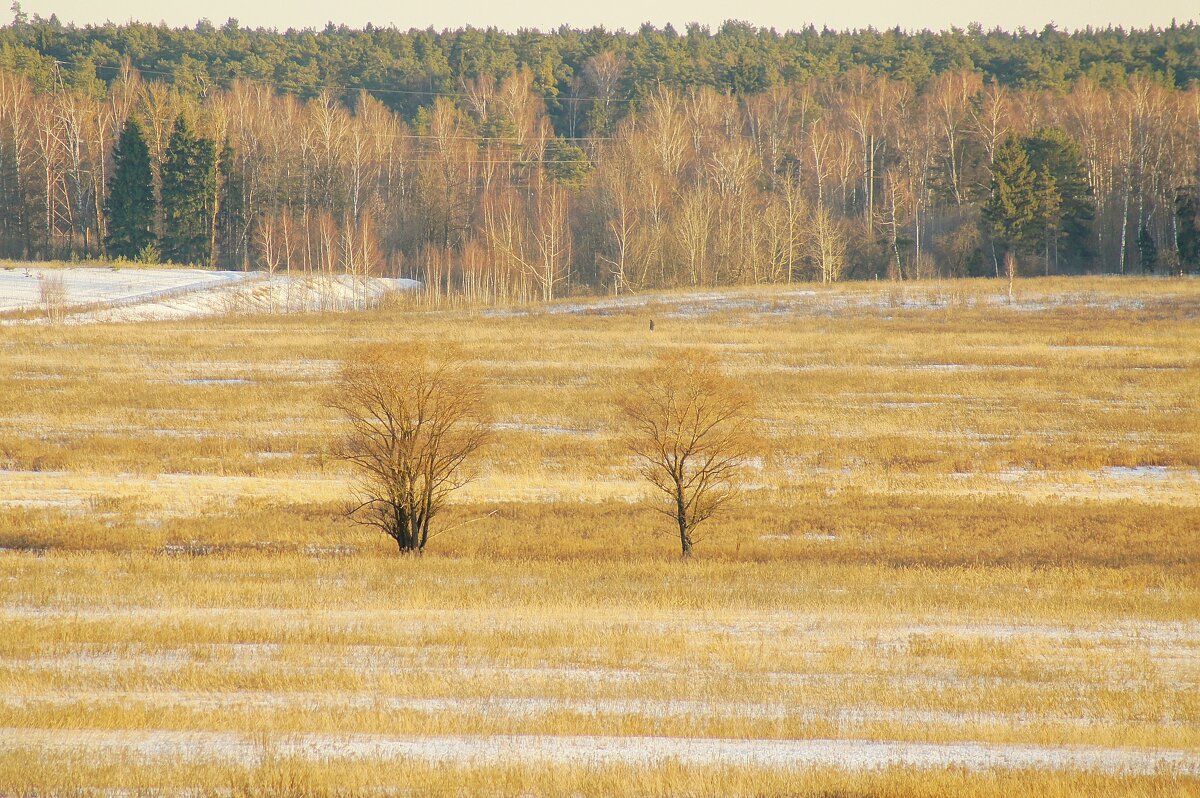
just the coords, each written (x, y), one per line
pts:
(189, 185)
(566, 163)
(1048, 214)
(1052, 150)
(129, 209)
(1187, 221)
(231, 213)
(1147, 251)
(1011, 209)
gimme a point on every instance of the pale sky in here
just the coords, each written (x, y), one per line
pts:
(629, 14)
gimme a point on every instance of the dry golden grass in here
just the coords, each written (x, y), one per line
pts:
(977, 524)
(303, 779)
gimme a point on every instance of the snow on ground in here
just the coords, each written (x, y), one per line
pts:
(527, 707)
(583, 749)
(775, 301)
(255, 662)
(146, 293)
(1160, 637)
(545, 429)
(20, 287)
(520, 692)
(183, 493)
(141, 294)
(264, 294)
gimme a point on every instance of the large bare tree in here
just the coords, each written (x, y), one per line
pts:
(414, 418)
(691, 428)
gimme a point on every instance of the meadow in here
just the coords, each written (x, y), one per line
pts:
(965, 563)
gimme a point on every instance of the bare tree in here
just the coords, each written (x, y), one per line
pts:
(691, 429)
(948, 101)
(827, 244)
(1010, 271)
(52, 294)
(602, 75)
(414, 419)
(552, 235)
(617, 203)
(693, 230)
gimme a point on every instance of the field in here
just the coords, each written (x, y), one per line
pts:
(125, 292)
(967, 564)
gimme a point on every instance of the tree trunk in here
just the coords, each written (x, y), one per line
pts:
(403, 531)
(681, 516)
(1124, 226)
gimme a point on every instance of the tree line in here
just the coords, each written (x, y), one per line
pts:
(480, 192)
(572, 69)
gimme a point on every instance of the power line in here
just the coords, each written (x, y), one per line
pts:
(451, 162)
(480, 139)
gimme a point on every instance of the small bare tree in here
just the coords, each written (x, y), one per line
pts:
(691, 428)
(415, 417)
(52, 294)
(1010, 271)
(827, 244)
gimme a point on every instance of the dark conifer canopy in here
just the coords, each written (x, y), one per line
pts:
(129, 209)
(189, 183)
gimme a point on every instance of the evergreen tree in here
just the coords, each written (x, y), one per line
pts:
(1048, 219)
(1147, 251)
(189, 189)
(566, 163)
(1053, 150)
(231, 233)
(1187, 223)
(1010, 211)
(231, 245)
(129, 209)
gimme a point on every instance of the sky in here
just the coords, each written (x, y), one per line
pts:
(630, 14)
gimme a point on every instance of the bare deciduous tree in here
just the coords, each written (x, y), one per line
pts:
(691, 428)
(1010, 271)
(415, 417)
(52, 294)
(827, 244)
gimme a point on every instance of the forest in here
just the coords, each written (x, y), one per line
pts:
(509, 167)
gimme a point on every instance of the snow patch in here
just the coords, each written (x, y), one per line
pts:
(507, 749)
(142, 294)
(87, 286)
